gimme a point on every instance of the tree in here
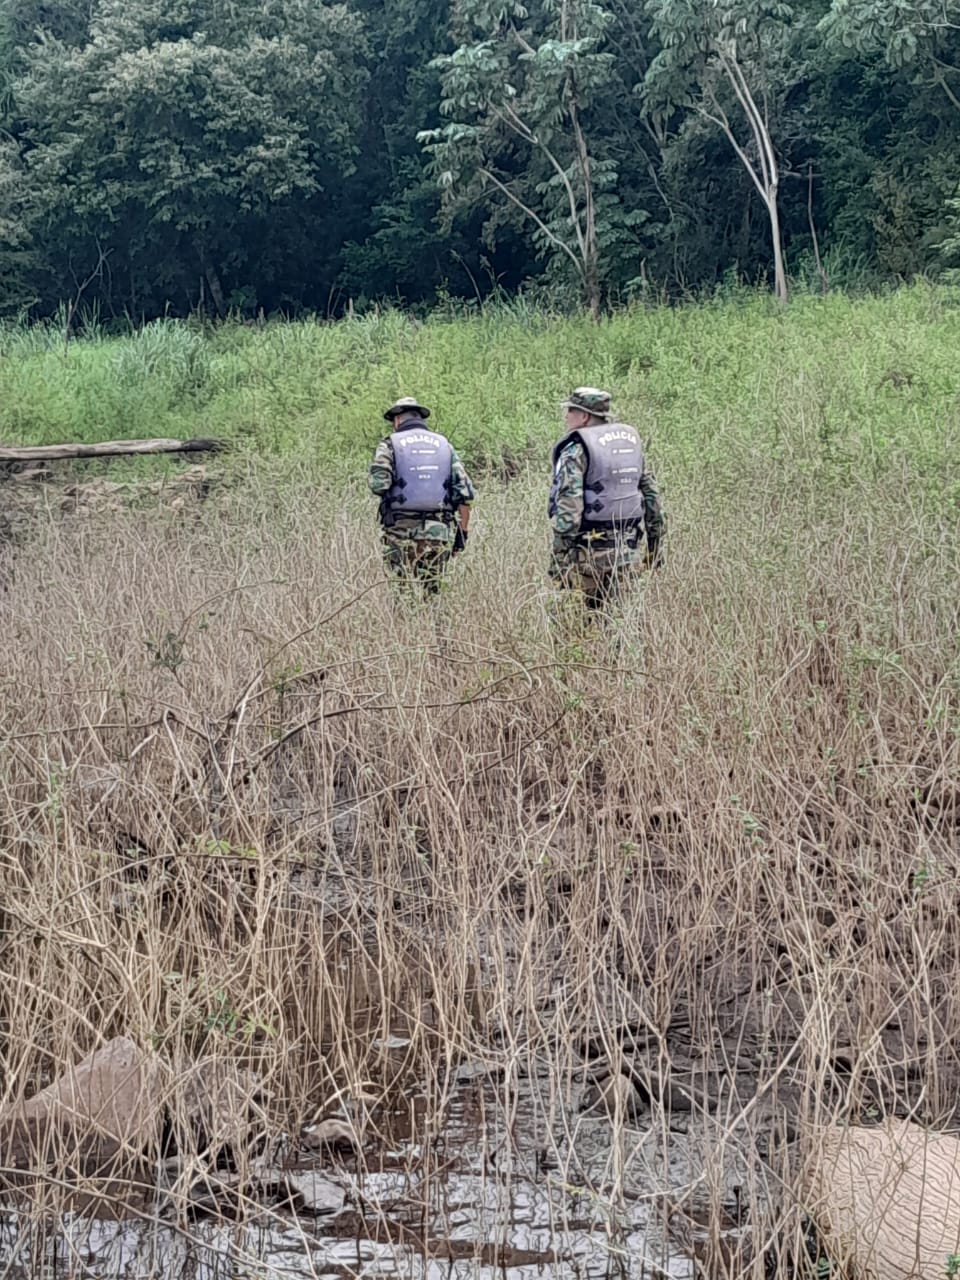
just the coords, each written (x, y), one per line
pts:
(949, 247)
(721, 58)
(16, 256)
(395, 245)
(921, 33)
(908, 54)
(179, 132)
(520, 88)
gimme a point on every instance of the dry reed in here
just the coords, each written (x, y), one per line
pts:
(255, 805)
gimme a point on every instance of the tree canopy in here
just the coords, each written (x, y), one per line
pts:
(159, 156)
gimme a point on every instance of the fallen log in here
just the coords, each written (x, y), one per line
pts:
(107, 449)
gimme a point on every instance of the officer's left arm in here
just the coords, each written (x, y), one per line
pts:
(567, 514)
(653, 517)
(462, 492)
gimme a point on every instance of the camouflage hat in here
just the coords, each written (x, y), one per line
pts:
(406, 404)
(589, 400)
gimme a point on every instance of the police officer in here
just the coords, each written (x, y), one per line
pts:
(603, 500)
(425, 495)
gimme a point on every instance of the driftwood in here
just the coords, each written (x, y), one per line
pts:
(107, 449)
(887, 1200)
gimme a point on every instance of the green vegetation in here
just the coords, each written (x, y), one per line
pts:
(838, 387)
(256, 807)
(166, 157)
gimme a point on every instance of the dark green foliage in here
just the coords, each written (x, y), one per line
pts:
(163, 156)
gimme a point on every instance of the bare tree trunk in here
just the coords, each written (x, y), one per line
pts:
(779, 268)
(591, 289)
(765, 175)
(589, 246)
(213, 282)
(824, 280)
(743, 238)
(216, 289)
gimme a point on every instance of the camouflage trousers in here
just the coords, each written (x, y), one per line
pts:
(419, 560)
(602, 571)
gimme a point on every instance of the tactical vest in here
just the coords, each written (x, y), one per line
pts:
(611, 486)
(421, 470)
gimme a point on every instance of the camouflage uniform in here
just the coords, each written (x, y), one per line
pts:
(417, 546)
(598, 562)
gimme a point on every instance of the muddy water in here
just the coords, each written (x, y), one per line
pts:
(562, 1199)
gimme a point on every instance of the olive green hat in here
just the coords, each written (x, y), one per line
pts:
(406, 404)
(589, 400)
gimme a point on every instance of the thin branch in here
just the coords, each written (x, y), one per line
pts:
(761, 133)
(940, 79)
(555, 239)
(522, 42)
(525, 132)
(723, 124)
(82, 286)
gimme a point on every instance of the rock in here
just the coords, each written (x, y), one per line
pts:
(218, 1197)
(886, 1200)
(469, 1072)
(116, 1090)
(217, 1108)
(310, 1192)
(614, 1095)
(332, 1134)
(102, 1113)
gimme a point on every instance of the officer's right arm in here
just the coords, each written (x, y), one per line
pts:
(567, 517)
(380, 478)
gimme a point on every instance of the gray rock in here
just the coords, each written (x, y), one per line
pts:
(332, 1134)
(311, 1192)
(616, 1096)
(219, 1104)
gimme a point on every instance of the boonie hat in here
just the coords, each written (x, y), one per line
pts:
(406, 404)
(589, 400)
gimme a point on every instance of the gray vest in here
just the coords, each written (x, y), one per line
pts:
(611, 487)
(421, 470)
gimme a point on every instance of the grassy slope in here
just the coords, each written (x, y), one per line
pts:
(860, 380)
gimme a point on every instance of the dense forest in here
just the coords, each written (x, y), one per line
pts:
(248, 156)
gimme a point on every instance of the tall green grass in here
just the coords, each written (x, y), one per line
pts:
(836, 383)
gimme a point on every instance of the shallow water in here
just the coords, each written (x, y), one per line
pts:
(568, 1201)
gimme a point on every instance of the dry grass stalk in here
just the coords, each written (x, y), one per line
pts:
(253, 808)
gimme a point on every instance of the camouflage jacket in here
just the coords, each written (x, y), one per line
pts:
(571, 470)
(421, 528)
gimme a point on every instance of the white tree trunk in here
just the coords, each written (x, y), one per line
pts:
(779, 267)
